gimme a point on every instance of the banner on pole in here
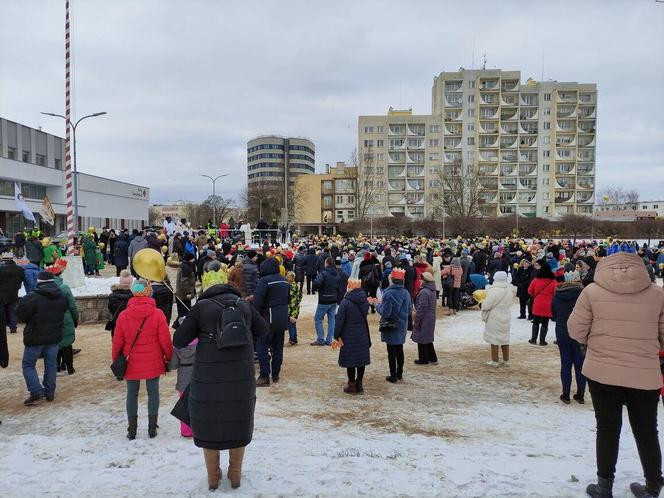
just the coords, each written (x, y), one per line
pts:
(21, 205)
(47, 212)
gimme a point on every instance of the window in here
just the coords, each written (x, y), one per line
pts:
(40, 159)
(547, 125)
(368, 129)
(350, 199)
(380, 156)
(26, 156)
(58, 163)
(379, 129)
(547, 111)
(547, 140)
(471, 127)
(655, 206)
(434, 142)
(351, 215)
(546, 209)
(471, 99)
(368, 143)
(380, 170)
(434, 156)
(547, 97)
(327, 201)
(545, 181)
(546, 167)
(471, 113)
(471, 140)
(434, 128)
(471, 84)
(11, 152)
(340, 213)
(327, 185)
(471, 155)
(546, 196)
(546, 153)
(380, 143)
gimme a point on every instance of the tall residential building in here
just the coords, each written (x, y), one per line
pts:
(532, 146)
(273, 164)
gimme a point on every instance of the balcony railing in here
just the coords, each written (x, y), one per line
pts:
(508, 169)
(509, 86)
(453, 86)
(510, 128)
(509, 157)
(509, 142)
(527, 169)
(489, 84)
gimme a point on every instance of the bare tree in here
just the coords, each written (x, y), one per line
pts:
(618, 195)
(575, 225)
(366, 186)
(458, 191)
(218, 207)
(154, 216)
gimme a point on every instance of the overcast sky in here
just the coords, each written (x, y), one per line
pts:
(187, 83)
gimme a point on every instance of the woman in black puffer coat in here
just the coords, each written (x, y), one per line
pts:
(222, 393)
(352, 328)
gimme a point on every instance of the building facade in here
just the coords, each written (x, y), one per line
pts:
(35, 160)
(326, 200)
(531, 146)
(630, 211)
(273, 165)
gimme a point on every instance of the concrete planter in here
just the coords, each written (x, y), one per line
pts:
(93, 309)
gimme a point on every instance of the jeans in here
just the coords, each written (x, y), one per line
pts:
(544, 321)
(571, 356)
(30, 356)
(275, 342)
(133, 386)
(292, 332)
(641, 404)
(395, 359)
(10, 314)
(331, 311)
(90, 269)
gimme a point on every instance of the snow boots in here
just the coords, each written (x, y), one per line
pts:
(351, 388)
(152, 426)
(603, 488)
(213, 469)
(650, 490)
(131, 428)
(236, 455)
(359, 386)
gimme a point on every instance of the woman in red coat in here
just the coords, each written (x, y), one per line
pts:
(541, 291)
(147, 359)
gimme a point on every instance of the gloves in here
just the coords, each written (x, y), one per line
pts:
(337, 344)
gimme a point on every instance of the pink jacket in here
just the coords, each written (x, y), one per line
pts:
(621, 319)
(457, 273)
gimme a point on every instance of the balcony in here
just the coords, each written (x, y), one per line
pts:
(567, 196)
(396, 185)
(586, 169)
(415, 185)
(489, 113)
(489, 141)
(564, 210)
(509, 114)
(488, 198)
(507, 210)
(585, 197)
(488, 183)
(527, 169)
(488, 155)
(453, 102)
(509, 128)
(566, 125)
(528, 114)
(509, 157)
(565, 140)
(452, 157)
(415, 157)
(452, 143)
(509, 86)
(508, 169)
(397, 144)
(453, 86)
(415, 211)
(507, 197)
(396, 157)
(508, 183)
(564, 182)
(396, 130)
(415, 130)
(586, 154)
(508, 142)
(528, 183)
(587, 98)
(527, 197)
(415, 171)
(489, 84)
(567, 97)
(487, 169)
(396, 172)
(509, 100)
(528, 156)
(585, 183)
(451, 129)
(489, 211)
(488, 127)
(565, 169)
(565, 154)
(529, 99)
(586, 112)
(488, 98)
(566, 111)
(586, 140)
(528, 141)
(415, 143)
(530, 128)
(587, 126)
(452, 116)
(397, 210)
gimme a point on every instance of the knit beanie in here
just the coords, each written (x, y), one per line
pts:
(500, 276)
(141, 288)
(125, 279)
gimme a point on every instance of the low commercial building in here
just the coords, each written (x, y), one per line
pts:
(641, 209)
(35, 160)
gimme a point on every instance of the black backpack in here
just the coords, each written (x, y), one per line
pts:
(231, 331)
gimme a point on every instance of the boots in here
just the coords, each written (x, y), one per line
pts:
(236, 455)
(359, 386)
(213, 469)
(351, 388)
(131, 428)
(603, 488)
(152, 426)
(650, 490)
(535, 333)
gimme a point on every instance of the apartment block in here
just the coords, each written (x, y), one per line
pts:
(532, 146)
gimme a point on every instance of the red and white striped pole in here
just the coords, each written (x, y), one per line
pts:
(68, 166)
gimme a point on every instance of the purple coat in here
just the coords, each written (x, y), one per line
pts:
(425, 314)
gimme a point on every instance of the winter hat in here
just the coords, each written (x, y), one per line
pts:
(141, 288)
(367, 256)
(211, 253)
(500, 276)
(397, 276)
(44, 276)
(427, 277)
(572, 276)
(215, 276)
(125, 279)
(251, 253)
(388, 265)
(57, 268)
(354, 283)
(465, 252)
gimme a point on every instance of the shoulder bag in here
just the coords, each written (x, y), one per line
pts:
(119, 366)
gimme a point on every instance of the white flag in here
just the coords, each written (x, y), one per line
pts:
(46, 212)
(21, 205)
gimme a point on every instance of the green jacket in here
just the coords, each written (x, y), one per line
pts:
(90, 252)
(71, 316)
(51, 253)
(295, 297)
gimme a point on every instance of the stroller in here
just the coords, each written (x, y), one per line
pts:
(467, 300)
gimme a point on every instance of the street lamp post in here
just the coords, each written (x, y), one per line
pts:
(214, 194)
(260, 204)
(73, 127)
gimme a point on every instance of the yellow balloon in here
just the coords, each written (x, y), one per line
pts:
(479, 295)
(92, 229)
(149, 264)
(102, 246)
(164, 249)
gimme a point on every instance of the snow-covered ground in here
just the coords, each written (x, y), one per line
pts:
(457, 429)
(94, 286)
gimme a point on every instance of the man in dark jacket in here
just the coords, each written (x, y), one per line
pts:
(324, 254)
(409, 280)
(121, 254)
(33, 250)
(480, 258)
(310, 267)
(11, 278)
(327, 286)
(343, 280)
(43, 312)
(299, 263)
(249, 273)
(19, 244)
(271, 298)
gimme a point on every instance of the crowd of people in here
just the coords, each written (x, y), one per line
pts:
(608, 313)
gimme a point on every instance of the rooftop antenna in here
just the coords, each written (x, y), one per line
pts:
(472, 64)
(542, 78)
(484, 64)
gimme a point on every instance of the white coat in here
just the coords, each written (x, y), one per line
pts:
(437, 260)
(496, 314)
